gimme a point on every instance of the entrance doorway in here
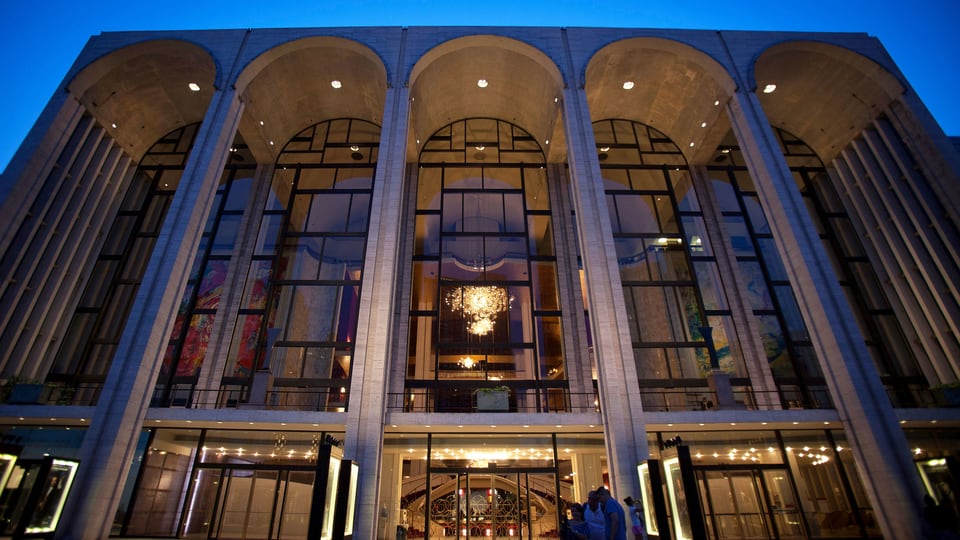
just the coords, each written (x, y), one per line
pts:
(749, 503)
(471, 504)
(247, 503)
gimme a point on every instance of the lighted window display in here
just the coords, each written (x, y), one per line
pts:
(485, 302)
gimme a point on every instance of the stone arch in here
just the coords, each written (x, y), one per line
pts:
(825, 94)
(524, 87)
(677, 89)
(290, 87)
(142, 91)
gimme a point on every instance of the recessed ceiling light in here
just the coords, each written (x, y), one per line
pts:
(354, 148)
(556, 100)
(261, 122)
(482, 83)
(692, 143)
(703, 124)
(271, 143)
(627, 85)
(715, 103)
(546, 141)
(114, 126)
(194, 87)
(336, 84)
(768, 89)
(604, 148)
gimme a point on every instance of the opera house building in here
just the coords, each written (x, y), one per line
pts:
(442, 282)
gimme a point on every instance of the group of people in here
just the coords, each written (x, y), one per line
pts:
(603, 518)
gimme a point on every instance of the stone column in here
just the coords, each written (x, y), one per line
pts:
(111, 441)
(368, 383)
(877, 442)
(620, 405)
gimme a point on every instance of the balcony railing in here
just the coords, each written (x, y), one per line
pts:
(322, 399)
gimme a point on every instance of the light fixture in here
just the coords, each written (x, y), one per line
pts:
(768, 89)
(354, 148)
(692, 143)
(716, 103)
(336, 84)
(627, 85)
(480, 148)
(604, 148)
(481, 303)
(114, 126)
(703, 124)
(194, 87)
(482, 83)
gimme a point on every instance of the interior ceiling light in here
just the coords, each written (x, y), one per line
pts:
(354, 148)
(194, 87)
(768, 89)
(604, 148)
(627, 85)
(716, 103)
(482, 83)
(703, 124)
(481, 304)
(335, 83)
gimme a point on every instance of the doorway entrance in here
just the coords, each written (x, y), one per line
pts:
(749, 503)
(249, 503)
(477, 504)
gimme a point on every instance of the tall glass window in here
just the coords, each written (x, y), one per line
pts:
(671, 284)
(97, 324)
(298, 315)
(484, 308)
(190, 336)
(889, 348)
(790, 353)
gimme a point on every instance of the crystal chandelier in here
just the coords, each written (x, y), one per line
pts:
(479, 303)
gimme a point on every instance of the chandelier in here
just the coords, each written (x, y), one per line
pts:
(480, 304)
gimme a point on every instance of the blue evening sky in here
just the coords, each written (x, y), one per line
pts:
(40, 39)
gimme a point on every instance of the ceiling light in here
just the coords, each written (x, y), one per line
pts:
(480, 148)
(768, 89)
(692, 143)
(604, 148)
(546, 141)
(114, 126)
(482, 83)
(703, 124)
(261, 122)
(194, 87)
(715, 103)
(354, 148)
(627, 85)
(336, 84)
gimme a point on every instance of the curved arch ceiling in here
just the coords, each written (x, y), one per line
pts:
(143, 90)
(676, 89)
(289, 88)
(523, 87)
(825, 94)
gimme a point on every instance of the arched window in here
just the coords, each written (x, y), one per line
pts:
(484, 307)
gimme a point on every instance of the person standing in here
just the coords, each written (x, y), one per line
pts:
(615, 518)
(635, 507)
(593, 515)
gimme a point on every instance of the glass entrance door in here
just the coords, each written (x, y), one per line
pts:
(513, 504)
(242, 504)
(749, 504)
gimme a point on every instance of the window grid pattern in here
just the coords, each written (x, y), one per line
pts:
(94, 331)
(190, 336)
(884, 337)
(299, 309)
(483, 220)
(786, 341)
(671, 283)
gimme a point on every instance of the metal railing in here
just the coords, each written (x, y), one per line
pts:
(465, 399)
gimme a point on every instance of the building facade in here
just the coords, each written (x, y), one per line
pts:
(442, 282)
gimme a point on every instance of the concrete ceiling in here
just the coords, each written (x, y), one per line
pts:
(825, 94)
(676, 89)
(289, 89)
(524, 87)
(142, 89)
